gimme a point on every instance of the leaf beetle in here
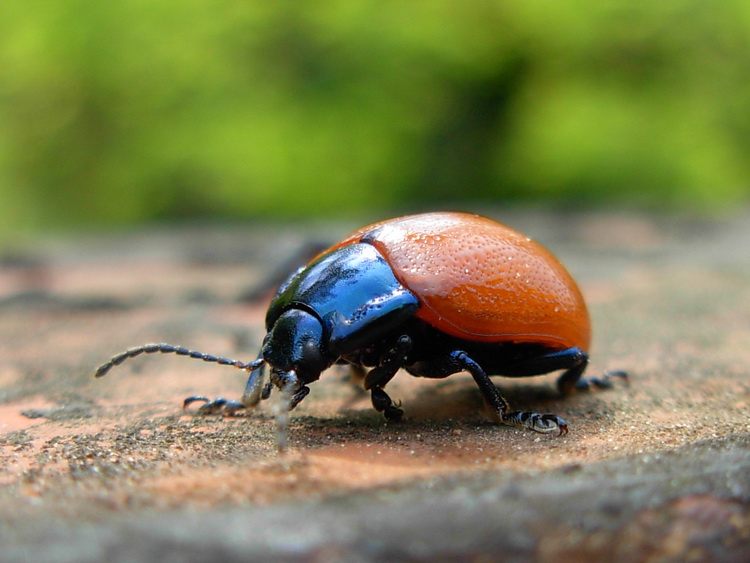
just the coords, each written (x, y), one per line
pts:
(434, 294)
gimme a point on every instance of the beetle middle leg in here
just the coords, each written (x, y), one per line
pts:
(459, 360)
(544, 423)
(378, 377)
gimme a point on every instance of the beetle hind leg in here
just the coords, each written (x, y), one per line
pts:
(579, 383)
(575, 361)
(543, 423)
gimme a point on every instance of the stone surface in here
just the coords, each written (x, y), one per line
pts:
(114, 469)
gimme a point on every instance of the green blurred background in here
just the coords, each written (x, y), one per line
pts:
(124, 111)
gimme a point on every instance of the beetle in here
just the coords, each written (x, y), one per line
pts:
(434, 294)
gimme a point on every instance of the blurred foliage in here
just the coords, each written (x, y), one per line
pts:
(113, 112)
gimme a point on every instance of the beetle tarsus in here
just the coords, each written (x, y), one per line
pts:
(571, 380)
(231, 408)
(194, 399)
(542, 423)
(215, 406)
(383, 403)
(603, 382)
(393, 414)
(298, 396)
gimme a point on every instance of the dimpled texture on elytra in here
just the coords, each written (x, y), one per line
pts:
(480, 280)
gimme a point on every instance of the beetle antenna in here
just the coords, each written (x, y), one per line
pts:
(180, 351)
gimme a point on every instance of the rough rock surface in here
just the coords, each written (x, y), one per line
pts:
(113, 469)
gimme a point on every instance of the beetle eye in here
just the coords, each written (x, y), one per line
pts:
(312, 360)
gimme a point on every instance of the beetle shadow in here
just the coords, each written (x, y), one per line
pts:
(429, 406)
(455, 398)
(461, 398)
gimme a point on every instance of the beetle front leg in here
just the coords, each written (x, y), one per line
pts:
(219, 405)
(255, 391)
(292, 389)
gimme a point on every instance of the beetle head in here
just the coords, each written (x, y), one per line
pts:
(295, 344)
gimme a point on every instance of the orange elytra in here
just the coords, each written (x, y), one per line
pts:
(481, 280)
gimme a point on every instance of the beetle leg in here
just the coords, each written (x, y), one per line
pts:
(255, 391)
(303, 392)
(218, 405)
(254, 388)
(573, 361)
(379, 377)
(588, 383)
(382, 402)
(544, 423)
